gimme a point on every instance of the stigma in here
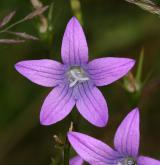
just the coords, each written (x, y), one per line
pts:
(76, 74)
(127, 161)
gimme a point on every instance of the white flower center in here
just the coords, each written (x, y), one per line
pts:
(127, 161)
(76, 75)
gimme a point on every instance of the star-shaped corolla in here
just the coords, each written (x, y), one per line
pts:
(75, 80)
(126, 144)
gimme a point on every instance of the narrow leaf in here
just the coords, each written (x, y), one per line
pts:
(35, 13)
(7, 18)
(50, 12)
(11, 41)
(24, 35)
(146, 5)
(140, 66)
(141, 1)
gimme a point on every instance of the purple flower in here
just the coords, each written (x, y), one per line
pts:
(75, 80)
(126, 142)
(76, 161)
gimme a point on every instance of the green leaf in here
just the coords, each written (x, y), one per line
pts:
(140, 66)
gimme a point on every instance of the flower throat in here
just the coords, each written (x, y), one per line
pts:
(127, 161)
(76, 74)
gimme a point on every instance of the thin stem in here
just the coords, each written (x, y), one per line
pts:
(75, 120)
(12, 25)
(66, 152)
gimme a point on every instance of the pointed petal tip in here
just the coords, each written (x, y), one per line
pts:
(132, 62)
(129, 62)
(43, 121)
(135, 111)
(74, 21)
(102, 123)
(19, 67)
(46, 120)
(16, 66)
(74, 18)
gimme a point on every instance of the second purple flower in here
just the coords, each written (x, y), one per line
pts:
(75, 80)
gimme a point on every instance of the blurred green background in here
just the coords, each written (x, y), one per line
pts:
(113, 28)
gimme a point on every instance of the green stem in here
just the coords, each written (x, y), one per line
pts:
(66, 152)
(75, 121)
(11, 26)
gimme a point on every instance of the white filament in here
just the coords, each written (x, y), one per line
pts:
(76, 75)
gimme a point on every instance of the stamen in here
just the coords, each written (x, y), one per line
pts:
(127, 161)
(76, 75)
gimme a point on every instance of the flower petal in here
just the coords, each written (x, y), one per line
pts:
(57, 105)
(92, 150)
(43, 72)
(76, 161)
(104, 71)
(92, 105)
(74, 46)
(143, 160)
(127, 137)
